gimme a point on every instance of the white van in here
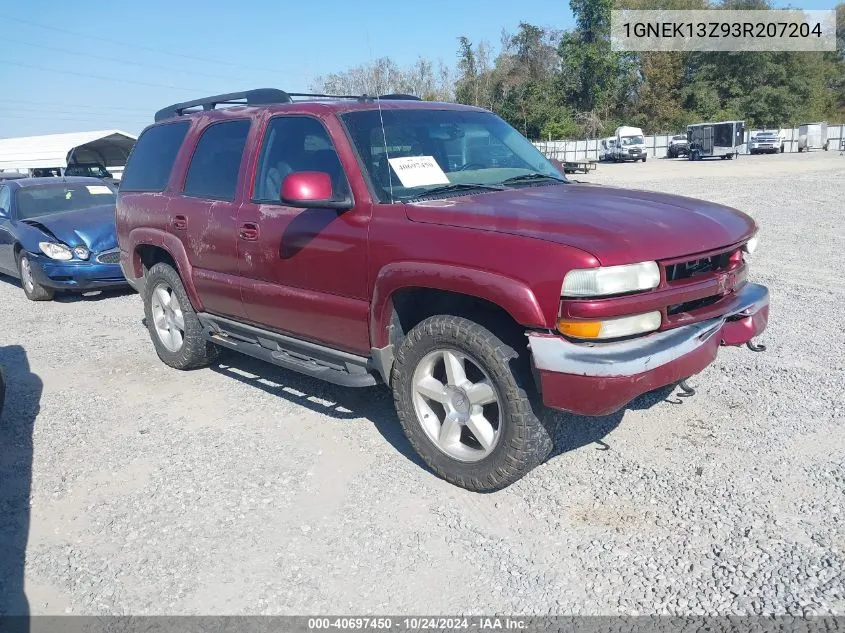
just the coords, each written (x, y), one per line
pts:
(630, 144)
(606, 148)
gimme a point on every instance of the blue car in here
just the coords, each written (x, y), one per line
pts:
(59, 234)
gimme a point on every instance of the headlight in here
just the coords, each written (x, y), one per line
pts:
(81, 252)
(751, 245)
(610, 328)
(611, 280)
(55, 251)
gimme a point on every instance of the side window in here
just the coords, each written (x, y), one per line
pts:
(296, 143)
(213, 172)
(151, 161)
(5, 199)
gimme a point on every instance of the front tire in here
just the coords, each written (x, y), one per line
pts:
(461, 397)
(33, 290)
(176, 331)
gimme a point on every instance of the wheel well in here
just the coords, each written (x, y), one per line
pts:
(411, 306)
(152, 255)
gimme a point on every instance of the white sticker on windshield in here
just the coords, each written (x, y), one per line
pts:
(97, 189)
(418, 171)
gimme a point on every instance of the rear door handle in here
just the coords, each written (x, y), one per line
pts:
(180, 222)
(248, 231)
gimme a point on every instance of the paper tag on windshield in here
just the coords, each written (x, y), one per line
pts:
(97, 189)
(418, 171)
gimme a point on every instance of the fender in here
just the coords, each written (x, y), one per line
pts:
(513, 296)
(144, 236)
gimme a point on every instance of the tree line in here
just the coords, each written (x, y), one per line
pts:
(554, 84)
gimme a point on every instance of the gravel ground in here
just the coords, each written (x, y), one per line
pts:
(246, 489)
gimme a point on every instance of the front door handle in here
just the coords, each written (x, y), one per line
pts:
(248, 231)
(180, 222)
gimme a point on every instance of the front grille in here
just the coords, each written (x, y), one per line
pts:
(109, 257)
(697, 267)
(689, 306)
(681, 274)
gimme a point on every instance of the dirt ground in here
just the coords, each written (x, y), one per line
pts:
(129, 487)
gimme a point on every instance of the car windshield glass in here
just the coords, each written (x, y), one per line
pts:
(423, 150)
(632, 140)
(33, 202)
(679, 138)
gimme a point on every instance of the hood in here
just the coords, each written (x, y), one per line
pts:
(94, 227)
(617, 226)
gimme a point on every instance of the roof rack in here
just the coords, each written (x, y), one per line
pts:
(261, 96)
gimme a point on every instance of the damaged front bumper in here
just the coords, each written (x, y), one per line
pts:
(600, 378)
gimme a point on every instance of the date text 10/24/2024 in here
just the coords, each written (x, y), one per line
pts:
(478, 623)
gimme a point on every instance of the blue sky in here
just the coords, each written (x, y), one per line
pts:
(175, 51)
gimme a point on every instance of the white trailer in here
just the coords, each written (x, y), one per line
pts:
(812, 136)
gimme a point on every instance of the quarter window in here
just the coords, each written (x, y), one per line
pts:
(5, 199)
(213, 172)
(152, 159)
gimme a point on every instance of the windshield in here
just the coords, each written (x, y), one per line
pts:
(428, 150)
(94, 171)
(633, 140)
(680, 137)
(33, 202)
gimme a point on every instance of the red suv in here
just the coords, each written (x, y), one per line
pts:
(432, 248)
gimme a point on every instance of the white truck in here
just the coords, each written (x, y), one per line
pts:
(630, 144)
(765, 142)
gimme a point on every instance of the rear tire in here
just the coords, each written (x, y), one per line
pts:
(175, 330)
(33, 290)
(463, 402)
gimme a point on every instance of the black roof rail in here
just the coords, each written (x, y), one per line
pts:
(260, 96)
(363, 97)
(400, 97)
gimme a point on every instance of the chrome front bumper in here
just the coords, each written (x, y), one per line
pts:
(554, 353)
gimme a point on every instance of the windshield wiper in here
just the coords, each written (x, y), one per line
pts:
(455, 186)
(530, 178)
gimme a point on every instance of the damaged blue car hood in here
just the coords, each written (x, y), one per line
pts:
(94, 227)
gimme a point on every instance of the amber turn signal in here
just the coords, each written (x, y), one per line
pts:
(610, 328)
(580, 329)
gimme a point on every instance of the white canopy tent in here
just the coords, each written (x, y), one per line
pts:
(110, 148)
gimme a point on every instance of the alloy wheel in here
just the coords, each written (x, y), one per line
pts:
(168, 320)
(26, 275)
(457, 404)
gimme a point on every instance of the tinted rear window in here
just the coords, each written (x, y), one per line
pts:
(151, 162)
(214, 168)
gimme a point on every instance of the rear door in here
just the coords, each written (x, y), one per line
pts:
(204, 216)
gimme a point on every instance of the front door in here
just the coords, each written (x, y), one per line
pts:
(304, 270)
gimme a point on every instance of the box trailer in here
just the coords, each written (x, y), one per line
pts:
(724, 139)
(812, 136)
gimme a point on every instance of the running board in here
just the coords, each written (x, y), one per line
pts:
(311, 359)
